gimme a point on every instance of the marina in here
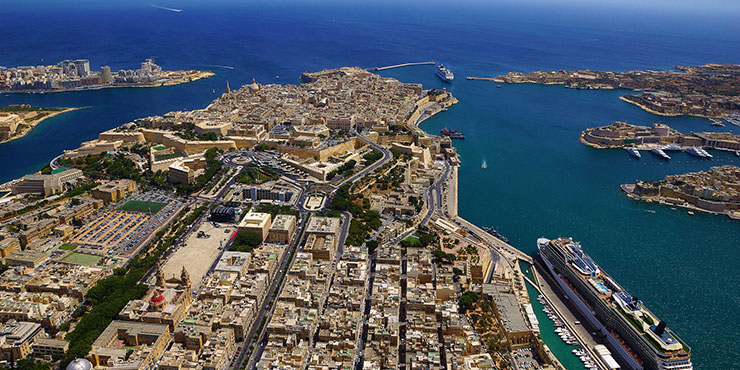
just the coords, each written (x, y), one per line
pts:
(695, 151)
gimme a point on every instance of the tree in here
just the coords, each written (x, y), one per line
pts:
(468, 300)
(371, 245)
(245, 242)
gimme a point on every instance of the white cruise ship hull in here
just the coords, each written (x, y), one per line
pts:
(586, 311)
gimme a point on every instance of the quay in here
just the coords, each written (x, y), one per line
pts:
(492, 79)
(565, 310)
(400, 65)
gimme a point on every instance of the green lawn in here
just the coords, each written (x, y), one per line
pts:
(413, 242)
(140, 206)
(82, 259)
(68, 247)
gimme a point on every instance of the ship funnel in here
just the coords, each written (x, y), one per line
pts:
(660, 329)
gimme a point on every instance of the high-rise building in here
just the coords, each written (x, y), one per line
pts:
(68, 67)
(83, 67)
(105, 75)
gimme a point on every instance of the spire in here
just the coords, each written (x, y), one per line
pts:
(160, 276)
(185, 278)
(228, 89)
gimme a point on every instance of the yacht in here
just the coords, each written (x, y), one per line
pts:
(445, 74)
(660, 153)
(695, 152)
(716, 122)
(633, 152)
(673, 147)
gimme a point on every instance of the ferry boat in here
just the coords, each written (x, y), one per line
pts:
(445, 74)
(660, 153)
(640, 338)
(453, 134)
(633, 152)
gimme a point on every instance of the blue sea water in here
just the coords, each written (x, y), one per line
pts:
(540, 180)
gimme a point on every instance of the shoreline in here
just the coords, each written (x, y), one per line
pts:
(663, 202)
(172, 82)
(33, 124)
(646, 109)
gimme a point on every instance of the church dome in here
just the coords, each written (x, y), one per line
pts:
(253, 86)
(79, 364)
(157, 298)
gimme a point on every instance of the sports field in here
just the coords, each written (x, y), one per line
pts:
(81, 259)
(68, 247)
(141, 206)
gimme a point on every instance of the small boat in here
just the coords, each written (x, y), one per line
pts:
(691, 213)
(484, 166)
(716, 122)
(737, 153)
(498, 86)
(633, 152)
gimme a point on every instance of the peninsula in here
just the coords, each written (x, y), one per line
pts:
(715, 191)
(711, 90)
(75, 75)
(282, 226)
(16, 121)
(624, 135)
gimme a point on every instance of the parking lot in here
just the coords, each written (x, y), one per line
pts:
(109, 230)
(199, 251)
(525, 358)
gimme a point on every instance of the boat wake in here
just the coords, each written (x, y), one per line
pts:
(165, 8)
(213, 66)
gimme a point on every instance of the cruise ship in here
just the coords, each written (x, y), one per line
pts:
(445, 74)
(640, 338)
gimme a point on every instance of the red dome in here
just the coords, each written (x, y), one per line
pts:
(158, 298)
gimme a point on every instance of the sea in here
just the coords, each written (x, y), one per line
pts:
(539, 181)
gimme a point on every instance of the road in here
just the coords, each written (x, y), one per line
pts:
(262, 317)
(385, 158)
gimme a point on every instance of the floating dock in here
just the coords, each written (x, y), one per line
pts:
(400, 65)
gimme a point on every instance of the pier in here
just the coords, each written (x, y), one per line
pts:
(566, 311)
(400, 65)
(492, 79)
